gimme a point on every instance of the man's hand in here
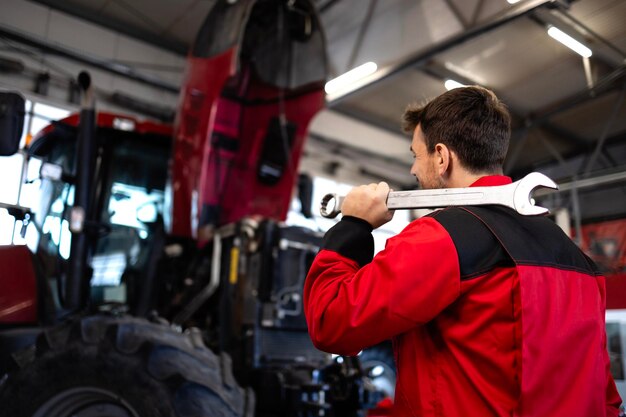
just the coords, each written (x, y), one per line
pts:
(368, 202)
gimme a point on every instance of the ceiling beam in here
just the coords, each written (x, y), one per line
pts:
(542, 118)
(566, 134)
(361, 35)
(457, 13)
(605, 85)
(476, 13)
(96, 62)
(578, 152)
(150, 37)
(605, 132)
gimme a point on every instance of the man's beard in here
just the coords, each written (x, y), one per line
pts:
(433, 182)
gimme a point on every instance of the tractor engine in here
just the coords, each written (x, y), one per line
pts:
(247, 302)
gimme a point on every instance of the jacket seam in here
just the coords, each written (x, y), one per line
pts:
(484, 271)
(557, 266)
(481, 273)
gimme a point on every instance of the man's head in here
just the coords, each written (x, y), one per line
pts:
(466, 128)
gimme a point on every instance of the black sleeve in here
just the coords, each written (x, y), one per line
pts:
(352, 238)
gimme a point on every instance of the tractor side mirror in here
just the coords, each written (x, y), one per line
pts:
(11, 122)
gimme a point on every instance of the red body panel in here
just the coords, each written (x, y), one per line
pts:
(18, 283)
(219, 138)
(243, 194)
(203, 85)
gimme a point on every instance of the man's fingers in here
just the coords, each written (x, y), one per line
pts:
(382, 190)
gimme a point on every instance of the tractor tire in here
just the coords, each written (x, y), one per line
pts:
(105, 366)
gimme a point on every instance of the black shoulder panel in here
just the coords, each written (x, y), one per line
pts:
(527, 240)
(534, 240)
(479, 250)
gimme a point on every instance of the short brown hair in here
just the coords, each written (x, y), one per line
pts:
(471, 121)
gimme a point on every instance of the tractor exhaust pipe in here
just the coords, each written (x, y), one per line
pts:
(77, 288)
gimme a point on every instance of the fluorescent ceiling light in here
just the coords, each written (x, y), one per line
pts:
(570, 42)
(513, 1)
(350, 77)
(450, 84)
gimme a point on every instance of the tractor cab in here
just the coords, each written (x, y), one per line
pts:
(128, 193)
(127, 196)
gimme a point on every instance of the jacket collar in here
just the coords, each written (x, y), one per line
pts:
(491, 180)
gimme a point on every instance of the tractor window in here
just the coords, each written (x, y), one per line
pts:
(135, 207)
(56, 236)
(132, 212)
(18, 182)
(50, 200)
(130, 206)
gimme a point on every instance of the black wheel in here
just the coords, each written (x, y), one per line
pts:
(103, 366)
(379, 366)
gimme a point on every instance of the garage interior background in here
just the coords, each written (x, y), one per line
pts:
(568, 107)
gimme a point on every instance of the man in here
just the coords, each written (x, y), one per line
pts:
(491, 313)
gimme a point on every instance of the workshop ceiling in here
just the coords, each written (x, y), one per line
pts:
(565, 109)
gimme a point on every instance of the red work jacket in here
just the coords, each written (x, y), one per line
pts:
(491, 313)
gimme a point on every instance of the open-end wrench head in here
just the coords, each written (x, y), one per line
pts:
(522, 200)
(330, 206)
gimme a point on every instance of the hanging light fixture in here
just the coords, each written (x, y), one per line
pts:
(350, 77)
(570, 42)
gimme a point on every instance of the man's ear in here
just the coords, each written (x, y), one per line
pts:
(443, 157)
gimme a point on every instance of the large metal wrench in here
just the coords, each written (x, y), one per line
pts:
(516, 196)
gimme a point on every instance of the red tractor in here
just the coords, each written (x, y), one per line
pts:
(176, 291)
